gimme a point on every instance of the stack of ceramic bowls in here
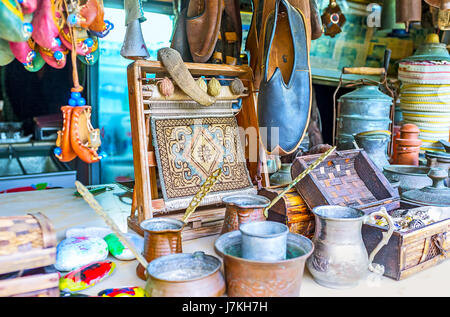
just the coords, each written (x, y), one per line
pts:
(425, 92)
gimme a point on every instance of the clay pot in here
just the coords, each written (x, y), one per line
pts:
(409, 131)
(408, 152)
(408, 145)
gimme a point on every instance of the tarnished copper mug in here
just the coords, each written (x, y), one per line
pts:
(242, 209)
(162, 236)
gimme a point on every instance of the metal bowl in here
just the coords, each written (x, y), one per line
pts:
(185, 275)
(409, 176)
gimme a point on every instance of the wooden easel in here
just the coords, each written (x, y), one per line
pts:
(206, 220)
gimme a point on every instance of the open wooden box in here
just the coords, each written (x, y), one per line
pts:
(346, 178)
(409, 252)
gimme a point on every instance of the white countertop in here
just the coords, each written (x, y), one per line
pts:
(66, 210)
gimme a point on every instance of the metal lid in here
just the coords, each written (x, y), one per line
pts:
(430, 50)
(437, 154)
(367, 92)
(435, 195)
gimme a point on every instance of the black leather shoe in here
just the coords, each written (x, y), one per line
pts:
(284, 99)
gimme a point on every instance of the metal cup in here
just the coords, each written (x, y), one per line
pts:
(264, 241)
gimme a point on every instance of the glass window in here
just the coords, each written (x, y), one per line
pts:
(113, 109)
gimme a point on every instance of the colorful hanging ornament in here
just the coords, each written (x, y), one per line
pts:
(78, 137)
(27, 54)
(89, 59)
(6, 55)
(56, 59)
(13, 27)
(48, 20)
(333, 19)
(85, 44)
(28, 6)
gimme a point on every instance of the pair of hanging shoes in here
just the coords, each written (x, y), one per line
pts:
(78, 137)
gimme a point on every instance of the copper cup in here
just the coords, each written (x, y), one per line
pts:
(162, 236)
(241, 209)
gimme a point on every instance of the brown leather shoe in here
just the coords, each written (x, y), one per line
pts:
(203, 27)
(179, 40)
(252, 42)
(231, 32)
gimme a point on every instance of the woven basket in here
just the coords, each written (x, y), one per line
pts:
(440, 118)
(425, 107)
(424, 72)
(26, 242)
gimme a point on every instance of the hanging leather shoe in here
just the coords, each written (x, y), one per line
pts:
(179, 40)
(252, 42)
(284, 100)
(231, 29)
(203, 27)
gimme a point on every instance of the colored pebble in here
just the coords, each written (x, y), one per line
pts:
(123, 292)
(72, 253)
(119, 250)
(86, 276)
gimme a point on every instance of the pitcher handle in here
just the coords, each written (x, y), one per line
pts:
(378, 268)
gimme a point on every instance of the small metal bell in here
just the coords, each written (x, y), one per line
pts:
(134, 45)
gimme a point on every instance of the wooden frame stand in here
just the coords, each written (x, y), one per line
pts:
(206, 220)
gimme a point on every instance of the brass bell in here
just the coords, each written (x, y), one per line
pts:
(134, 45)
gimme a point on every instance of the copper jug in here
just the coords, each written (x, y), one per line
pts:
(242, 209)
(162, 236)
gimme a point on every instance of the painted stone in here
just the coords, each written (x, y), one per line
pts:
(86, 276)
(123, 292)
(99, 232)
(73, 253)
(119, 250)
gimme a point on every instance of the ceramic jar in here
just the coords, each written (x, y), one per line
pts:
(375, 144)
(439, 159)
(364, 109)
(282, 176)
(408, 145)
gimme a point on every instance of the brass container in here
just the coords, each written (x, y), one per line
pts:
(249, 278)
(162, 236)
(242, 209)
(185, 275)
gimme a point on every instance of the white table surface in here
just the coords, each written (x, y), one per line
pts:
(65, 211)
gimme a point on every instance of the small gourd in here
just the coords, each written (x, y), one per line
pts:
(202, 84)
(166, 87)
(214, 87)
(237, 87)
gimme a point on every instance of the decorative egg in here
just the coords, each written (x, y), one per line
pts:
(119, 250)
(166, 87)
(123, 292)
(86, 276)
(72, 253)
(214, 87)
(237, 87)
